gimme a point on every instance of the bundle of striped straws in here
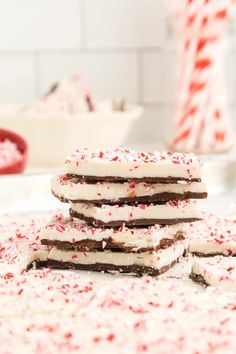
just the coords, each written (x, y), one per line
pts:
(202, 121)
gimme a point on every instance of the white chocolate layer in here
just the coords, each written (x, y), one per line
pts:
(157, 260)
(133, 164)
(216, 271)
(68, 189)
(70, 231)
(213, 235)
(168, 211)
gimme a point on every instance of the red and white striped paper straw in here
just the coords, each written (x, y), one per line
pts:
(202, 120)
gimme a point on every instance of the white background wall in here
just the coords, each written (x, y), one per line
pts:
(123, 47)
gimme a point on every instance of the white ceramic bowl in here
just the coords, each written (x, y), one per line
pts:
(52, 138)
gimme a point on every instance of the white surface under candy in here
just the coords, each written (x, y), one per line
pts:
(154, 259)
(218, 271)
(109, 213)
(67, 188)
(71, 231)
(133, 164)
(213, 235)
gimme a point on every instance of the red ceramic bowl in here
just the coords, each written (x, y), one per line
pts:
(18, 166)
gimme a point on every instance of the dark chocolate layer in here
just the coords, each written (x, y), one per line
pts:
(117, 179)
(105, 267)
(135, 222)
(200, 254)
(108, 244)
(198, 279)
(160, 197)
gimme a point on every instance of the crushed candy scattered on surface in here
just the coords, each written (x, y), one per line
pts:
(66, 312)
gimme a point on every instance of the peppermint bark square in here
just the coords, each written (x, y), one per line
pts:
(150, 250)
(67, 188)
(151, 262)
(172, 212)
(218, 271)
(67, 234)
(123, 164)
(214, 235)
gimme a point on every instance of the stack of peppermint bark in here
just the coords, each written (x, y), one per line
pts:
(128, 210)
